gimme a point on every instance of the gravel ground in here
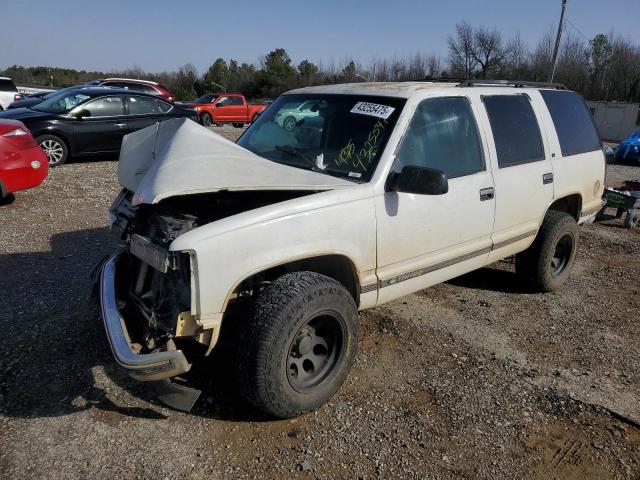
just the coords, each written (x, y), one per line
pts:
(472, 378)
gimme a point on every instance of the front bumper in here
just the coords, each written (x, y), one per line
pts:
(150, 366)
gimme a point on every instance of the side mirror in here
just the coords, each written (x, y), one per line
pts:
(419, 180)
(82, 113)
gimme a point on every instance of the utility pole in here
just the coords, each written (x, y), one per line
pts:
(552, 68)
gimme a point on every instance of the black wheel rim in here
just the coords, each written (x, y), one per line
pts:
(562, 255)
(316, 351)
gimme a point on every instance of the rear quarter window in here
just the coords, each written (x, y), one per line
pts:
(7, 86)
(572, 121)
(515, 129)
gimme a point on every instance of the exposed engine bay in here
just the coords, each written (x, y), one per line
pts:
(154, 283)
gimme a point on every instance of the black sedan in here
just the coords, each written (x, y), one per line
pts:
(89, 121)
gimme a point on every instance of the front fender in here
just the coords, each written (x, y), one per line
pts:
(227, 252)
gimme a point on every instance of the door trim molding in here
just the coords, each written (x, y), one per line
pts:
(515, 239)
(447, 263)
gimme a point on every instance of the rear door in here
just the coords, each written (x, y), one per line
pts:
(522, 170)
(102, 130)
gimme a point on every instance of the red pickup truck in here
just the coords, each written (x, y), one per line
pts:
(219, 108)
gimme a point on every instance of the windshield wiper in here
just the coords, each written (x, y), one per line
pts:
(297, 153)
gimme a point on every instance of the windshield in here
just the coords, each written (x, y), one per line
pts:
(340, 135)
(206, 98)
(62, 103)
(55, 93)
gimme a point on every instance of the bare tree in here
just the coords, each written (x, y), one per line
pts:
(572, 68)
(461, 51)
(434, 66)
(516, 63)
(541, 58)
(488, 50)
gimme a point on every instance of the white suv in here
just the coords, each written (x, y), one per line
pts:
(8, 93)
(278, 240)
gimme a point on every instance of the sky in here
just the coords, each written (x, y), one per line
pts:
(158, 35)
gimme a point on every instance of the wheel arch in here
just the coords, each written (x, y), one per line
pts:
(570, 203)
(58, 134)
(334, 265)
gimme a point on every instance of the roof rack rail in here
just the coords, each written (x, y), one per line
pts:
(512, 83)
(441, 79)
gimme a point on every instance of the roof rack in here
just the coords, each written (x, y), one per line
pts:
(511, 83)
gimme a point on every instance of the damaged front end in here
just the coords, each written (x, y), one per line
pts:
(178, 176)
(147, 291)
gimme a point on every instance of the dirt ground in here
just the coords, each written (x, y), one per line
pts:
(470, 379)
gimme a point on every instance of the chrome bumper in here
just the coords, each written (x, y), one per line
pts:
(150, 366)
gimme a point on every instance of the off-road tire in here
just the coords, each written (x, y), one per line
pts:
(534, 265)
(205, 119)
(264, 348)
(53, 141)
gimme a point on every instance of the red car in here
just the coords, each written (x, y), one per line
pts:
(135, 85)
(218, 108)
(23, 164)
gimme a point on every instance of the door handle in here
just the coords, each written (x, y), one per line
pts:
(486, 193)
(547, 178)
(120, 124)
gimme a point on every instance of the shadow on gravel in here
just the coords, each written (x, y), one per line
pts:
(491, 279)
(107, 157)
(53, 338)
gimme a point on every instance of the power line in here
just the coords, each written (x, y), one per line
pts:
(577, 30)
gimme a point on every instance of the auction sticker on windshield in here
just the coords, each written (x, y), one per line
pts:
(372, 109)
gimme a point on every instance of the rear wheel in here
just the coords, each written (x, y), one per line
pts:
(55, 148)
(238, 125)
(205, 119)
(548, 262)
(299, 346)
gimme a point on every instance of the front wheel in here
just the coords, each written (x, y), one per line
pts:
(55, 148)
(546, 265)
(289, 123)
(299, 346)
(205, 119)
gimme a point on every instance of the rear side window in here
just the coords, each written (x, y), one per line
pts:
(515, 129)
(235, 100)
(574, 126)
(442, 135)
(147, 106)
(7, 85)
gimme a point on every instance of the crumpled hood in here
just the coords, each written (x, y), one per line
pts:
(180, 157)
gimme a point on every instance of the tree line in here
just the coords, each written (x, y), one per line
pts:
(606, 67)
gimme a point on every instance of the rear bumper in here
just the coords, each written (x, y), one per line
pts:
(26, 169)
(146, 367)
